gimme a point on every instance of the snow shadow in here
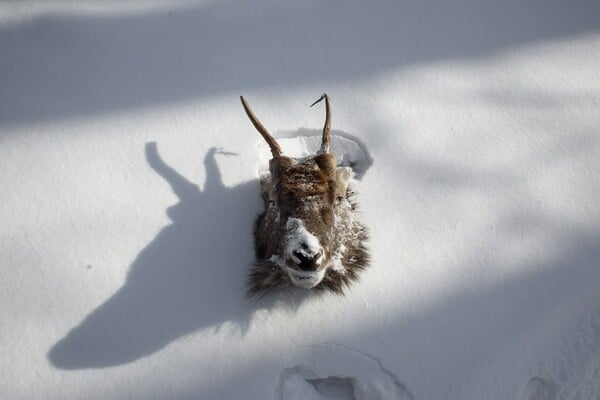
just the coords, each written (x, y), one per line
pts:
(191, 276)
(482, 329)
(473, 339)
(70, 64)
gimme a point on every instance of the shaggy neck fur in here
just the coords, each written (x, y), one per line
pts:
(346, 247)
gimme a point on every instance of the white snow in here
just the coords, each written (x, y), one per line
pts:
(303, 142)
(301, 240)
(128, 190)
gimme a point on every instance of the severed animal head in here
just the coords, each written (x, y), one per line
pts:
(308, 235)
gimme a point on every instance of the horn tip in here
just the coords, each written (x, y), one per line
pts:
(319, 99)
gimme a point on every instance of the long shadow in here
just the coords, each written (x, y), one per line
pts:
(64, 65)
(481, 343)
(175, 282)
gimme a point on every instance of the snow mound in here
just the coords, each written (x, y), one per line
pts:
(350, 151)
(538, 388)
(334, 372)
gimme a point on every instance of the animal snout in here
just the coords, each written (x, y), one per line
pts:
(307, 261)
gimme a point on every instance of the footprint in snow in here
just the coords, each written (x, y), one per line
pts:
(538, 388)
(335, 372)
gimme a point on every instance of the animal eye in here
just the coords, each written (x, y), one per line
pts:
(340, 198)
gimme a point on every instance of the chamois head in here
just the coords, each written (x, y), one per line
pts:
(308, 235)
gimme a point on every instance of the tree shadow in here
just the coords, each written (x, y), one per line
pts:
(189, 277)
(476, 341)
(487, 329)
(71, 64)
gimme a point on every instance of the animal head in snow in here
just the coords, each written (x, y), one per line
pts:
(308, 235)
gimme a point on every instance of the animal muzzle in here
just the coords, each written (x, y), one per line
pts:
(302, 247)
(307, 261)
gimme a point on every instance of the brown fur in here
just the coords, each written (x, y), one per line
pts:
(308, 235)
(266, 275)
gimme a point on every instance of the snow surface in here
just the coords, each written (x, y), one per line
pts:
(128, 175)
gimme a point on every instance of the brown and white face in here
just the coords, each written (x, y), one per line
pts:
(304, 194)
(298, 226)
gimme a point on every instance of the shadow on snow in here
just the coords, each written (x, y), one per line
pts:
(189, 277)
(57, 65)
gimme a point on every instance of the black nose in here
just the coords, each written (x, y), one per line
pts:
(307, 263)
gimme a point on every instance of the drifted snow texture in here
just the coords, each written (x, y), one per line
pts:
(129, 185)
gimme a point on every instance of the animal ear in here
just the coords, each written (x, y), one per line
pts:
(277, 164)
(326, 162)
